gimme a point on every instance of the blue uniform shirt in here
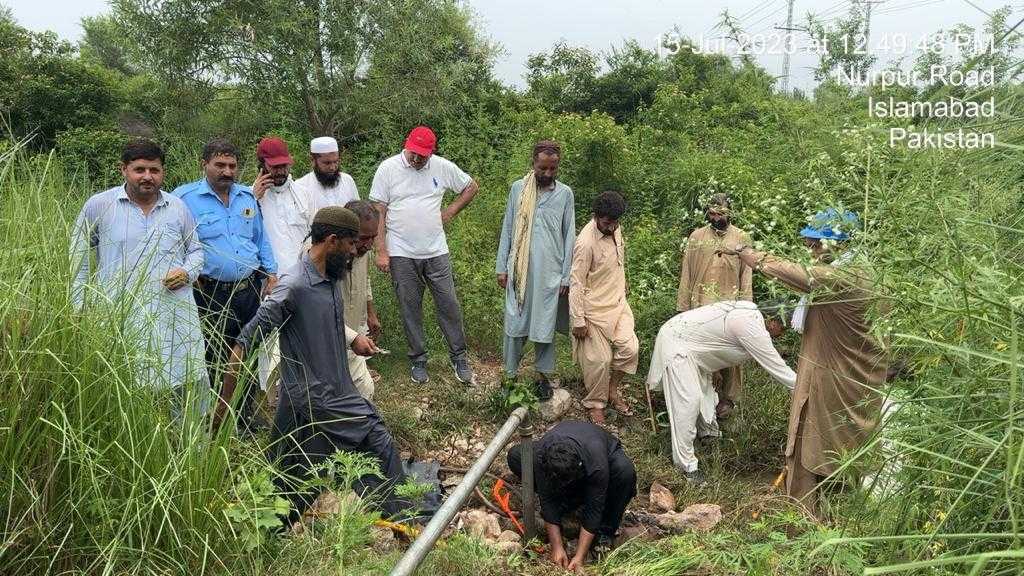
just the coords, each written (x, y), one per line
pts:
(234, 243)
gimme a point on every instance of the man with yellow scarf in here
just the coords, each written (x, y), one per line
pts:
(534, 257)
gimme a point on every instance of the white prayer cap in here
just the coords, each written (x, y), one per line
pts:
(323, 145)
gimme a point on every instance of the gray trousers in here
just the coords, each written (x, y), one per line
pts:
(544, 352)
(409, 276)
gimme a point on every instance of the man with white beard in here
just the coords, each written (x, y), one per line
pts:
(326, 184)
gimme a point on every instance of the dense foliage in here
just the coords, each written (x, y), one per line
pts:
(96, 480)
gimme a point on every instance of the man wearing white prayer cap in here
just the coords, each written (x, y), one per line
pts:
(326, 185)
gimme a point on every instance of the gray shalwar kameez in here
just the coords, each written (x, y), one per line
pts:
(319, 409)
(544, 310)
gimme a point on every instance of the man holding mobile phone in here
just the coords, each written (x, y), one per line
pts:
(286, 220)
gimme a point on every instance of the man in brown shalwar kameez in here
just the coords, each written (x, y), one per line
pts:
(604, 342)
(709, 276)
(841, 368)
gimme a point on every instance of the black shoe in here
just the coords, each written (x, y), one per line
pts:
(696, 479)
(543, 390)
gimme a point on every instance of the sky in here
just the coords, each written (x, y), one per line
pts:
(525, 27)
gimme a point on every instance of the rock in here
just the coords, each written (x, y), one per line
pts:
(508, 548)
(482, 524)
(554, 408)
(698, 517)
(383, 539)
(417, 413)
(461, 444)
(662, 499)
(627, 533)
(509, 536)
(326, 504)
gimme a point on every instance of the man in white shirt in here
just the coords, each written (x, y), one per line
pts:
(694, 345)
(286, 221)
(326, 184)
(407, 190)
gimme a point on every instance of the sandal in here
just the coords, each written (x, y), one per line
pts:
(620, 406)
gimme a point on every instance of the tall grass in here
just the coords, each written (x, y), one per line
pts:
(97, 476)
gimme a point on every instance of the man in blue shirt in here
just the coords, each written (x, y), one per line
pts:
(239, 266)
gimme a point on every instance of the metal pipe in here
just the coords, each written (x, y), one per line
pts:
(526, 435)
(425, 542)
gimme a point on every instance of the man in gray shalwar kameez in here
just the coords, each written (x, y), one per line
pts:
(534, 257)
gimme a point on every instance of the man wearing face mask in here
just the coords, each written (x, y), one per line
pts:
(239, 265)
(709, 276)
(286, 219)
(319, 411)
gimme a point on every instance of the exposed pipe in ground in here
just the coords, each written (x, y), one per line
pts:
(433, 530)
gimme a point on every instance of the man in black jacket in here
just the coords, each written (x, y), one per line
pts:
(579, 465)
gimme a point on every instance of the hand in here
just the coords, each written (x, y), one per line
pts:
(446, 217)
(383, 262)
(580, 332)
(558, 557)
(176, 278)
(363, 346)
(563, 291)
(576, 565)
(503, 281)
(262, 183)
(373, 326)
(268, 285)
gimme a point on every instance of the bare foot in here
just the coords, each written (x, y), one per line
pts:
(596, 415)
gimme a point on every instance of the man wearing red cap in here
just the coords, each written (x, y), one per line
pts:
(407, 190)
(286, 221)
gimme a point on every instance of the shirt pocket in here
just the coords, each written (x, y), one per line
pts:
(210, 225)
(167, 238)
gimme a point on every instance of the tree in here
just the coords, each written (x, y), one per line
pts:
(564, 80)
(337, 67)
(47, 88)
(846, 45)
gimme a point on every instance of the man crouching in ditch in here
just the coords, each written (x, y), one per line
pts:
(578, 465)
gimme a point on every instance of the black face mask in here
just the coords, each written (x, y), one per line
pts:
(328, 179)
(336, 266)
(719, 224)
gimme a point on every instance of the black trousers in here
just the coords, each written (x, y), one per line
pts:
(302, 439)
(621, 487)
(224, 309)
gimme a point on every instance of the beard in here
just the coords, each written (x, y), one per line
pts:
(719, 225)
(328, 179)
(336, 266)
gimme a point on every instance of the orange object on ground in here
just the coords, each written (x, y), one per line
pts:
(503, 498)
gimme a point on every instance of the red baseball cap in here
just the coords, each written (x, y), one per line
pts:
(273, 151)
(421, 141)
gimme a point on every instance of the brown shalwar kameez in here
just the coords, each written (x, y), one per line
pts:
(708, 276)
(840, 372)
(597, 300)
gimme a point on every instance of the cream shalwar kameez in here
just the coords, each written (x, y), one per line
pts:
(356, 293)
(597, 300)
(707, 276)
(840, 373)
(694, 345)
